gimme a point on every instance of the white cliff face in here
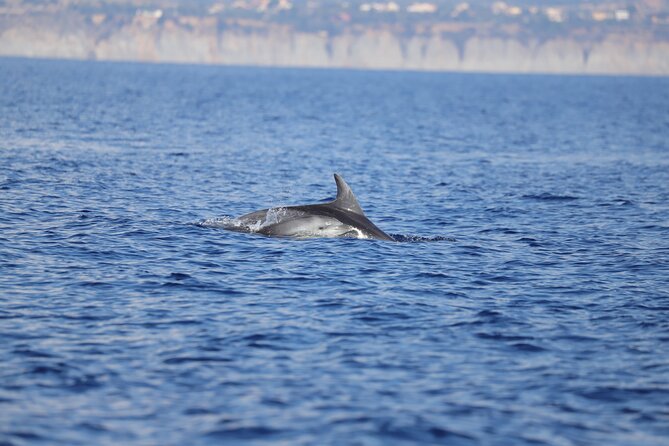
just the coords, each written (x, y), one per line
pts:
(203, 41)
(559, 56)
(438, 54)
(28, 41)
(616, 54)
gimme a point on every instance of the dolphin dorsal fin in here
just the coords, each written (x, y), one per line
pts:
(345, 198)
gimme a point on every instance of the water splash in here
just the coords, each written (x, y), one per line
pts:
(273, 216)
(217, 222)
(251, 224)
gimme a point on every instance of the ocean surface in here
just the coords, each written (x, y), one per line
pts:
(526, 301)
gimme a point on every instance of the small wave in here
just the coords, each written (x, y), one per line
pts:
(420, 239)
(26, 435)
(235, 433)
(194, 359)
(527, 347)
(550, 197)
(617, 202)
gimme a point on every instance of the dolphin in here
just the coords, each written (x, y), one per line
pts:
(342, 217)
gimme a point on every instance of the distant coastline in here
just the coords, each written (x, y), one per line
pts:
(442, 47)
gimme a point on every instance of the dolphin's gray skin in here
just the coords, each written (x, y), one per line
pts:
(342, 217)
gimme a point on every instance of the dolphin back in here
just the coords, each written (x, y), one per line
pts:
(339, 218)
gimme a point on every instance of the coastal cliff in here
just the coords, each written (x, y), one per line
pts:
(211, 41)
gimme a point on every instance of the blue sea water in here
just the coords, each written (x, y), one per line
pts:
(526, 302)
